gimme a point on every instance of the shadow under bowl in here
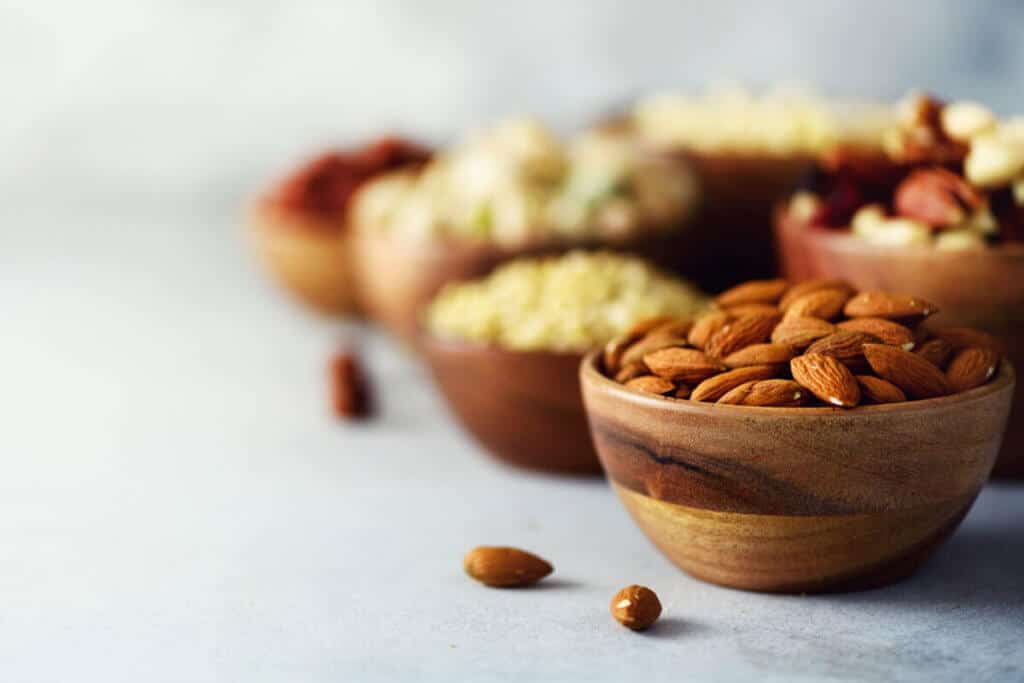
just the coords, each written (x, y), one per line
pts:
(796, 500)
(981, 288)
(523, 406)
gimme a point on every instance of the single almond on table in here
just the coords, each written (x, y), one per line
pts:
(971, 368)
(740, 333)
(800, 289)
(636, 607)
(877, 390)
(767, 393)
(965, 337)
(760, 354)
(826, 378)
(753, 292)
(888, 331)
(800, 332)
(823, 303)
(935, 351)
(682, 365)
(717, 386)
(628, 372)
(505, 567)
(846, 346)
(888, 305)
(651, 385)
(648, 344)
(913, 374)
(743, 310)
(706, 326)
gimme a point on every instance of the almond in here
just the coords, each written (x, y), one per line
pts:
(826, 378)
(877, 390)
(682, 391)
(628, 372)
(800, 289)
(824, 303)
(846, 346)
(799, 332)
(717, 386)
(888, 331)
(971, 368)
(642, 327)
(767, 393)
(965, 337)
(504, 567)
(615, 348)
(888, 305)
(742, 310)
(651, 385)
(706, 326)
(935, 196)
(648, 344)
(936, 351)
(682, 365)
(671, 328)
(739, 333)
(913, 374)
(636, 607)
(759, 354)
(753, 292)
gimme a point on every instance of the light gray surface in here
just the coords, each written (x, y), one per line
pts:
(176, 505)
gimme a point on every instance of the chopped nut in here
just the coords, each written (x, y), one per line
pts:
(350, 395)
(994, 160)
(965, 120)
(898, 232)
(957, 240)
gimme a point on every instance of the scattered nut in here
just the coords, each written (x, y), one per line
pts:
(994, 160)
(636, 607)
(350, 393)
(965, 120)
(504, 567)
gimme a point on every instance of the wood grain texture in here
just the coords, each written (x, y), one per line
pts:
(523, 406)
(728, 492)
(981, 288)
(306, 254)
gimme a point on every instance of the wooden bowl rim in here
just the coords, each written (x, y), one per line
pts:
(841, 240)
(590, 376)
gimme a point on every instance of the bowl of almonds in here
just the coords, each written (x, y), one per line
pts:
(940, 214)
(800, 438)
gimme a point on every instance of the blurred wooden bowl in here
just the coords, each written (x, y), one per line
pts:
(306, 254)
(981, 288)
(796, 499)
(523, 406)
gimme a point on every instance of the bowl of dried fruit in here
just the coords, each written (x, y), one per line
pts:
(505, 350)
(944, 219)
(820, 447)
(514, 190)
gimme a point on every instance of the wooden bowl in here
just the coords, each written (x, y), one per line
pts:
(981, 288)
(523, 406)
(308, 255)
(796, 499)
(396, 278)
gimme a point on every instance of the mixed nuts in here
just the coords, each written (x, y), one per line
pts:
(770, 343)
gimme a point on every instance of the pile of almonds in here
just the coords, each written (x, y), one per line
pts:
(952, 175)
(770, 343)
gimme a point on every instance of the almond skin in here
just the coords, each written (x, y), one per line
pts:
(682, 391)
(760, 354)
(740, 333)
(682, 365)
(877, 390)
(800, 332)
(799, 290)
(936, 351)
(753, 292)
(628, 372)
(971, 368)
(826, 378)
(671, 328)
(717, 386)
(778, 393)
(706, 326)
(965, 337)
(637, 351)
(824, 303)
(743, 310)
(888, 305)
(888, 331)
(636, 607)
(505, 567)
(651, 385)
(913, 374)
(846, 346)
(660, 325)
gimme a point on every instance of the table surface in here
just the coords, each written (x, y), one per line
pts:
(177, 504)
